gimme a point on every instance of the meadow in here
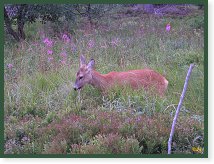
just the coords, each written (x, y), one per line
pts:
(44, 115)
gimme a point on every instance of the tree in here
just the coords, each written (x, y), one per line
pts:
(20, 12)
(17, 15)
(92, 11)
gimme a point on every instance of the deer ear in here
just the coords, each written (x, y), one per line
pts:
(82, 60)
(91, 64)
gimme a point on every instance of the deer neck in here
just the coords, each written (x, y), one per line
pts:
(98, 80)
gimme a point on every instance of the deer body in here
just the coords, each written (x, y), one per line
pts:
(136, 79)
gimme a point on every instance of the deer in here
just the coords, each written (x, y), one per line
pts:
(136, 79)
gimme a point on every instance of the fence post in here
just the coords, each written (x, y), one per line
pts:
(178, 108)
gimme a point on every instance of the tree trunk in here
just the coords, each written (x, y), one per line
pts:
(8, 25)
(20, 21)
(89, 14)
(19, 35)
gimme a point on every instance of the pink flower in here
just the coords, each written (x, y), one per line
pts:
(50, 59)
(168, 27)
(45, 40)
(50, 52)
(63, 62)
(63, 54)
(48, 42)
(10, 66)
(35, 44)
(65, 38)
(91, 43)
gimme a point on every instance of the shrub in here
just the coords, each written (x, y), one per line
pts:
(108, 144)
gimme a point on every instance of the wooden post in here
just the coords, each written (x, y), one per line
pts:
(178, 108)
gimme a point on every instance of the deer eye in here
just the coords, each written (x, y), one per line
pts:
(80, 77)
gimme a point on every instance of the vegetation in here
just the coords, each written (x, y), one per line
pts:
(43, 114)
(20, 14)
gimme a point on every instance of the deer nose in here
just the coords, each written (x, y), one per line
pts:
(75, 87)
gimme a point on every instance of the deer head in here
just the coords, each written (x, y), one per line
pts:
(83, 75)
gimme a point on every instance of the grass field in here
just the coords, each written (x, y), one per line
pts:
(43, 114)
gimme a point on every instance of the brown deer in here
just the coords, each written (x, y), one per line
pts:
(136, 79)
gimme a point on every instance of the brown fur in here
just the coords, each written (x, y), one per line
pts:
(136, 79)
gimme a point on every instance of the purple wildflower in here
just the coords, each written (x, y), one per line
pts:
(63, 62)
(63, 54)
(10, 66)
(45, 40)
(168, 27)
(35, 44)
(65, 38)
(50, 59)
(50, 52)
(48, 42)
(138, 119)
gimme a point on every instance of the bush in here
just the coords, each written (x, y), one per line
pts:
(108, 144)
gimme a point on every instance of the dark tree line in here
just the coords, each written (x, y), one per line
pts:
(17, 15)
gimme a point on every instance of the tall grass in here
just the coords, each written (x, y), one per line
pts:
(43, 114)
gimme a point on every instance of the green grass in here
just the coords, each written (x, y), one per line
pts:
(40, 105)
